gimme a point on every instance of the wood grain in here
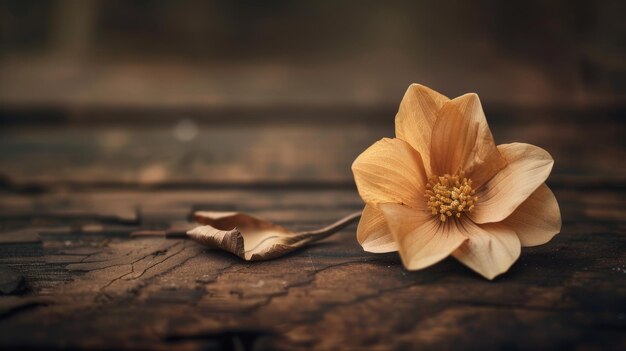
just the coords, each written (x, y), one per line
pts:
(75, 279)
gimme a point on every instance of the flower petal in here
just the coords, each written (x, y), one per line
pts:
(490, 250)
(462, 141)
(416, 117)
(373, 233)
(528, 167)
(422, 238)
(538, 219)
(390, 171)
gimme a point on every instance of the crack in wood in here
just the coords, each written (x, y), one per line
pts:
(132, 266)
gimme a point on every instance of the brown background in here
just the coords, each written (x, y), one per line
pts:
(64, 54)
(125, 115)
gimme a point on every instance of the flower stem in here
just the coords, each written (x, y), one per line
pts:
(335, 227)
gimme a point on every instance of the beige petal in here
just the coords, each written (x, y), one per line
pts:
(490, 250)
(373, 233)
(416, 117)
(390, 171)
(462, 141)
(422, 238)
(527, 168)
(536, 220)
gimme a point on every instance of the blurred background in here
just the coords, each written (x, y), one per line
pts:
(118, 116)
(289, 92)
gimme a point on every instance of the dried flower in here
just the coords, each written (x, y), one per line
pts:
(442, 187)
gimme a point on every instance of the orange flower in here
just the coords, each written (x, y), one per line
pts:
(442, 187)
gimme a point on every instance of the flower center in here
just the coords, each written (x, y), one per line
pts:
(450, 195)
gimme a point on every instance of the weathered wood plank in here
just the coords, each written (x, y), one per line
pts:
(158, 294)
(75, 279)
(236, 155)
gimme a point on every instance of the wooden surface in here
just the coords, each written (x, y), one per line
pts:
(71, 278)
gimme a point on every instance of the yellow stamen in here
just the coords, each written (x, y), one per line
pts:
(450, 195)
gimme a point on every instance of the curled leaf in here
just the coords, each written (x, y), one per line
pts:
(254, 239)
(250, 238)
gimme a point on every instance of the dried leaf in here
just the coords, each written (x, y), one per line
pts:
(254, 239)
(250, 238)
